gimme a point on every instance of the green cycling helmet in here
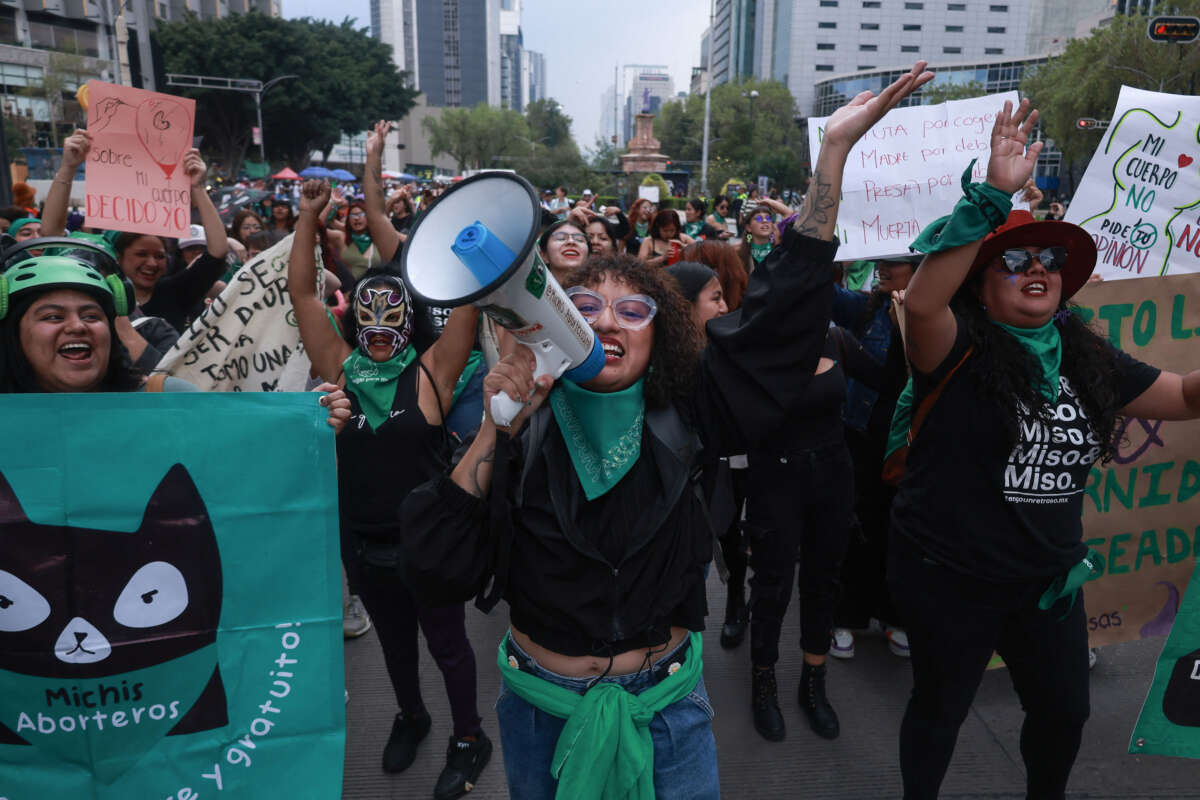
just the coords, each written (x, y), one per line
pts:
(46, 273)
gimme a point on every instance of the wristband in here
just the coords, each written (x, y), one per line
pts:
(982, 209)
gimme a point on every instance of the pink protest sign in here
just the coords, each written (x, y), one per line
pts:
(134, 176)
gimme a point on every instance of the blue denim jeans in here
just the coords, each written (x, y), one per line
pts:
(685, 752)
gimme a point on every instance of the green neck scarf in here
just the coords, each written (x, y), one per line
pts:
(604, 752)
(362, 241)
(859, 274)
(760, 251)
(603, 432)
(720, 220)
(693, 229)
(374, 382)
(642, 228)
(1046, 345)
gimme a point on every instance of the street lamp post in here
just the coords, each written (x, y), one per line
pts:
(254, 87)
(708, 80)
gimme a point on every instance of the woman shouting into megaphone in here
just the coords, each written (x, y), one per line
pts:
(585, 515)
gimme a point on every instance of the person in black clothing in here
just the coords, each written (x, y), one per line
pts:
(800, 501)
(867, 416)
(583, 514)
(986, 552)
(394, 441)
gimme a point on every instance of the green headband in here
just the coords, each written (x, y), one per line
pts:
(58, 272)
(19, 223)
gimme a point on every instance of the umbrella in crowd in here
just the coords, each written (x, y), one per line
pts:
(286, 174)
(315, 172)
(342, 175)
(234, 198)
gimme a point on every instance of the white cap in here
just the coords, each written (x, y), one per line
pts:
(587, 191)
(195, 237)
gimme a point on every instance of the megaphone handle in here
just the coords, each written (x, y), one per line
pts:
(505, 409)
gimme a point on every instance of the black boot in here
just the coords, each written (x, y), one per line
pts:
(815, 704)
(764, 702)
(407, 732)
(736, 617)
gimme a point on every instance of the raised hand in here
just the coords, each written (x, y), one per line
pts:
(314, 196)
(194, 168)
(1011, 164)
(847, 125)
(376, 137)
(338, 404)
(75, 149)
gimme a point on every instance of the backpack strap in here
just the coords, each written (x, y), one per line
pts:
(156, 381)
(927, 403)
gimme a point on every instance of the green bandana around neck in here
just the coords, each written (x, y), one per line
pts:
(761, 251)
(858, 275)
(642, 228)
(693, 229)
(605, 751)
(362, 241)
(374, 382)
(603, 432)
(720, 220)
(1046, 345)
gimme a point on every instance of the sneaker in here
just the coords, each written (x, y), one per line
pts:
(842, 645)
(355, 621)
(1093, 657)
(407, 733)
(465, 759)
(897, 642)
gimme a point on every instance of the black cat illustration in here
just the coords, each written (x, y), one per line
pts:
(80, 603)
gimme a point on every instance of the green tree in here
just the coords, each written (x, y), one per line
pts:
(345, 81)
(943, 92)
(548, 124)
(765, 143)
(1085, 80)
(480, 137)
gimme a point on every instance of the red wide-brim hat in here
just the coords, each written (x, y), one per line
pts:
(1022, 229)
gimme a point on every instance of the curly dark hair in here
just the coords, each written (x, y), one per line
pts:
(677, 344)
(1088, 362)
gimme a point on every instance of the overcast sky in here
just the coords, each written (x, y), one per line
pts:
(582, 43)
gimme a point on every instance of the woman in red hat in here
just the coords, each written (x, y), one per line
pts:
(986, 551)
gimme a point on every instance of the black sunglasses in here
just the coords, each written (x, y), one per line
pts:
(1052, 259)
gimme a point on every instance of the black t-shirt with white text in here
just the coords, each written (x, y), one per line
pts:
(976, 502)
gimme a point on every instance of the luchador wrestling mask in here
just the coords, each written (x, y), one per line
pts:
(383, 309)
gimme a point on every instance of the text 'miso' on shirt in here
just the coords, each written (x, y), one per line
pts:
(979, 502)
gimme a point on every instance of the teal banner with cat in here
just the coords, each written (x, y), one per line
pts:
(1169, 724)
(170, 598)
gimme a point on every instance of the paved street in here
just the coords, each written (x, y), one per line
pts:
(868, 692)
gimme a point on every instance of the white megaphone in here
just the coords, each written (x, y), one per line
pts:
(478, 244)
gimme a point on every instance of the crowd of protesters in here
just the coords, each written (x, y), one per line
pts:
(758, 409)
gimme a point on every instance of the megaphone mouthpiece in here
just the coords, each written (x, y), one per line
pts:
(482, 252)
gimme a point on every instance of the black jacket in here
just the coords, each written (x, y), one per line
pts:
(563, 591)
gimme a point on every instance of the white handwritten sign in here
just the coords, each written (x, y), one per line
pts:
(245, 339)
(1140, 195)
(905, 172)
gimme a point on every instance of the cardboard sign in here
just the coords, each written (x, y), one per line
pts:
(173, 619)
(1141, 511)
(905, 172)
(247, 336)
(1140, 195)
(134, 179)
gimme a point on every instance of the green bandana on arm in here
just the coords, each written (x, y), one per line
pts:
(374, 382)
(693, 229)
(982, 209)
(901, 420)
(603, 432)
(1046, 345)
(605, 751)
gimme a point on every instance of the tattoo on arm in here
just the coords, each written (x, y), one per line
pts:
(819, 207)
(476, 482)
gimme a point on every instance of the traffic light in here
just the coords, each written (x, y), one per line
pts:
(1087, 123)
(1180, 30)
